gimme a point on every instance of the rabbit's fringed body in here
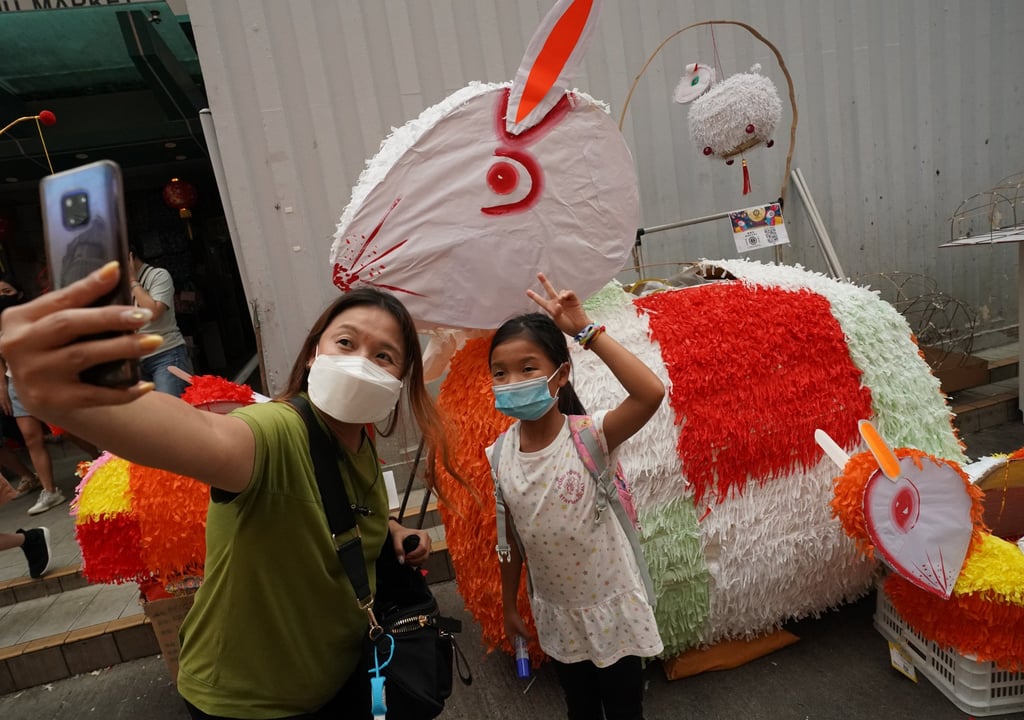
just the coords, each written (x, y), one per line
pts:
(732, 495)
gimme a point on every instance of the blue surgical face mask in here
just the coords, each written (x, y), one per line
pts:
(526, 400)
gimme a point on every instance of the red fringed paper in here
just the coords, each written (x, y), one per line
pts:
(970, 624)
(468, 405)
(748, 403)
(111, 549)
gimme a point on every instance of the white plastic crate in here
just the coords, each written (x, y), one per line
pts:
(978, 688)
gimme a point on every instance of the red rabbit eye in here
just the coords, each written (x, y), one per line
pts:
(708, 150)
(750, 129)
(502, 177)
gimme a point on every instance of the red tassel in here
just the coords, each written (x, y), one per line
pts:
(746, 178)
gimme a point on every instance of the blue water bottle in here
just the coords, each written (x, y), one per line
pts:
(522, 657)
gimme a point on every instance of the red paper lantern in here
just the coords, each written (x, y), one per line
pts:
(181, 196)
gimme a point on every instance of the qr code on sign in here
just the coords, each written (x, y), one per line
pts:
(752, 239)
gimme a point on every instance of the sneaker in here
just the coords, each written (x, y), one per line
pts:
(37, 550)
(46, 501)
(27, 484)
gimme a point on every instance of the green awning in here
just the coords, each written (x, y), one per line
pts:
(48, 54)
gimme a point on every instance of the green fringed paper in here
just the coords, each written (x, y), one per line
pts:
(671, 544)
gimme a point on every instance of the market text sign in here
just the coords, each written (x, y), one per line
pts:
(23, 5)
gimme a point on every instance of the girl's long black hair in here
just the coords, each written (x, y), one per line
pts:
(541, 330)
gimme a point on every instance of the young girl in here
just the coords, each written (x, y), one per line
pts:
(592, 613)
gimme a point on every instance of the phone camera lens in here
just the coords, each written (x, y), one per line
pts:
(75, 210)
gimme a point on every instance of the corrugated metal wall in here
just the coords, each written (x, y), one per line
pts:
(905, 109)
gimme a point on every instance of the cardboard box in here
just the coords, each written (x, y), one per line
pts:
(166, 615)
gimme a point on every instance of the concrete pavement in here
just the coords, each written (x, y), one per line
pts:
(839, 670)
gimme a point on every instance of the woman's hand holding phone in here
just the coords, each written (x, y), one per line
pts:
(41, 344)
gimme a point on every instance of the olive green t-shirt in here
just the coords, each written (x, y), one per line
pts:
(275, 629)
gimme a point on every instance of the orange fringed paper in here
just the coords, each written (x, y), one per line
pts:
(468, 405)
(971, 624)
(749, 403)
(848, 500)
(171, 511)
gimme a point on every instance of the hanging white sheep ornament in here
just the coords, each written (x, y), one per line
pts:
(734, 115)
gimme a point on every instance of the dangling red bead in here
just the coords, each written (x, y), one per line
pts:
(730, 161)
(708, 151)
(750, 129)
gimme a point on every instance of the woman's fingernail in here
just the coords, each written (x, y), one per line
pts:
(142, 315)
(144, 387)
(150, 342)
(109, 270)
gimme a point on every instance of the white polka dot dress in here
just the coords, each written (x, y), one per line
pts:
(588, 599)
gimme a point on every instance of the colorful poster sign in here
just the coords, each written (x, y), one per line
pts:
(758, 227)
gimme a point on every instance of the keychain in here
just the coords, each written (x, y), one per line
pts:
(380, 706)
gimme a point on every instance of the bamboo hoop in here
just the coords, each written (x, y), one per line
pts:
(778, 57)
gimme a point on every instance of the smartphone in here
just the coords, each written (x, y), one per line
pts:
(84, 228)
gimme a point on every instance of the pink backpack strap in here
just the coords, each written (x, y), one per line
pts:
(612, 489)
(595, 456)
(578, 425)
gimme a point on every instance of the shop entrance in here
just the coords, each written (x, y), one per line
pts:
(124, 83)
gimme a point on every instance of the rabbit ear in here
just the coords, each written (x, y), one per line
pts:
(551, 60)
(887, 460)
(697, 80)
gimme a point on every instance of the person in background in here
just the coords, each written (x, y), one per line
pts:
(35, 543)
(153, 289)
(31, 428)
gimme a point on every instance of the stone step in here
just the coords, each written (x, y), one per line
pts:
(70, 631)
(993, 398)
(986, 406)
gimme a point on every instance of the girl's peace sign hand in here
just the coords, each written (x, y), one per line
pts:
(563, 306)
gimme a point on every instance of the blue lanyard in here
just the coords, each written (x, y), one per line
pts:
(380, 706)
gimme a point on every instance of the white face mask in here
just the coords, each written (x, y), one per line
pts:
(352, 389)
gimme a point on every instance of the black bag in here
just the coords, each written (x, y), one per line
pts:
(419, 674)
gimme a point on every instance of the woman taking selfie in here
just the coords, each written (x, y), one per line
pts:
(275, 631)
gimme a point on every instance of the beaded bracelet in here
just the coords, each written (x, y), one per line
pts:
(587, 335)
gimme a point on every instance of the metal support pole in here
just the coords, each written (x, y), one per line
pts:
(824, 242)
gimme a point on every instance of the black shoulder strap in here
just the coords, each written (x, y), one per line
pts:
(340, 517)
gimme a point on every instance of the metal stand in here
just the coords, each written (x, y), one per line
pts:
(408, 491)
(824, 242)
(817, 224)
